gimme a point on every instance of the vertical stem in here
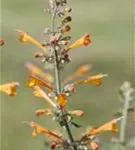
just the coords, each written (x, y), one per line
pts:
(57, 73)
(58, 88)
(57, 76)
(124, 120)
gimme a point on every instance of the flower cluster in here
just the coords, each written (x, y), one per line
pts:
(55, 50)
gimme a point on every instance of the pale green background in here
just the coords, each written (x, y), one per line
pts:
(110, 24)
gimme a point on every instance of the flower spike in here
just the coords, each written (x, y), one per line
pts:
(34, 81)
(40, 93)
(9, 88)
(83, 41)
(24, 37)
(34, 70)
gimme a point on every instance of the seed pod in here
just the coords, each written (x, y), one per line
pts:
(66, 20)
(60, 14)
(65, 29)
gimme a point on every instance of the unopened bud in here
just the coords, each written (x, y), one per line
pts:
(38, 55)
(67, 19)
(65, 29)
(67, 9)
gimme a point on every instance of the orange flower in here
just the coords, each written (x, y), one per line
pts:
(62, 100)
(37, 129)
(96, 79)
(83, 41)
(34, 81)
(36, 71)
(109, 126)
(24, 37)
(40, 93)
(9, 88)
(2, 42)
(40, 112)
(78, 113)
(82, 70)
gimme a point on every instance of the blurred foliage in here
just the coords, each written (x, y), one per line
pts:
(110, 24)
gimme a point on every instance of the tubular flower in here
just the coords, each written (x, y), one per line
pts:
(40, 112)
(96, 79)
(62, 100)
(109, 126)
(82, 70)
(36, 71)
(78, 113)
(9, 88)
(40, 93)
(37, 129)
(83, 41)
(24, 37)
(34, 81)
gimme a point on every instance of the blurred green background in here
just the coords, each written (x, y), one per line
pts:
(110, 24)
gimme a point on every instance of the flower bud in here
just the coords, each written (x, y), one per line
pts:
(66, 20)
(65, 29)
(68, 9)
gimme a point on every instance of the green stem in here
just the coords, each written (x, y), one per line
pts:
(57, 76)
